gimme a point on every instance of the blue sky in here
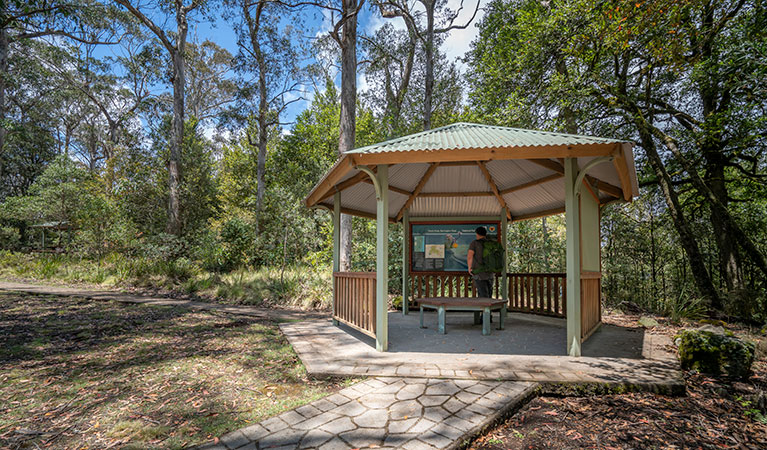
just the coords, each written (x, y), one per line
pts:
(455, 46)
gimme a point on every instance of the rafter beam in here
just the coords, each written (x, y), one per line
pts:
(417, 189)
(494, 187)
(611, 189)
(519, 187)
(391, 188)
(456, 194)
(361, 176)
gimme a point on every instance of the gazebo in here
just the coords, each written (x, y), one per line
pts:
(468, 173)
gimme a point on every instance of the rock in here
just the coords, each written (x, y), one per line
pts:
(648, 322)
(719, 330)
(715, 354)
(761, 348)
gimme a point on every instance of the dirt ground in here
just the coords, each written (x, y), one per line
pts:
(715, 414)
(88, 374)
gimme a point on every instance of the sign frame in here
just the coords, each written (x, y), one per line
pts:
(410, 242)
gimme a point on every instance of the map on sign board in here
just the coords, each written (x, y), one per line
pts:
(445, 246)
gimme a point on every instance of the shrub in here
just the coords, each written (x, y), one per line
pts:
(10, 239)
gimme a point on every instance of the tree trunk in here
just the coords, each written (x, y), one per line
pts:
(716, 205)
(3, 73)
(254, 27)
(177, 139)
(687, 239)
(429, 50)
(347, 124)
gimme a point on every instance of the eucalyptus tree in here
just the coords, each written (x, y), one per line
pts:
(27, 25)
(439, 20)
(174, 42)
(270, 62)
(675, 76)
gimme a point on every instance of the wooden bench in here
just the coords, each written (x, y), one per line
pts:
(477, 305)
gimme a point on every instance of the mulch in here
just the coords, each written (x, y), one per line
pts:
(714, 414)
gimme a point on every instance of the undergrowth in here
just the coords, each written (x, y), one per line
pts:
(296, 286)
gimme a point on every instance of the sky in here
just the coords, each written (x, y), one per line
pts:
(455, 46)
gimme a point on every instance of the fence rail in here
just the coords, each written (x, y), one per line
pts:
(591, 306)
(538, 293)
(441, 284)
(354, 300)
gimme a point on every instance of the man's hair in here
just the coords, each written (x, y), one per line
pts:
(481, 231)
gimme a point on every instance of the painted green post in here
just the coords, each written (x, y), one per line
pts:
(504, 278)
(572, 221)
(336, 244)
(382, 259)
(405, 262)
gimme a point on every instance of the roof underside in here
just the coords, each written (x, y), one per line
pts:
(457, 170)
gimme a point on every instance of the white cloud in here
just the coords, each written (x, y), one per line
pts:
(458, 42)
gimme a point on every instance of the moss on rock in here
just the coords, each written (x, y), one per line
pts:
(716, 354)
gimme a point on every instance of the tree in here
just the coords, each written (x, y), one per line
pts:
(440, 20)
(641, 70)
(175, 44)
(267, 51)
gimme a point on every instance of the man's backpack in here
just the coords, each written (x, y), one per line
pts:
(492, 257)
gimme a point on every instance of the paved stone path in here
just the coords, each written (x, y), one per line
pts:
(125, 297)
(407, 413)
(327, 350)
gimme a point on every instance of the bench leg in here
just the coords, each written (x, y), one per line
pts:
(502, 318)
(422, 318)
(477, 319)
(441, 317)
(486, 322)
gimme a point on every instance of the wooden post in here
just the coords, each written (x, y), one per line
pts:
(382, 259)
(405, 262)
(504, 278)
(572, 221)
(336, 245)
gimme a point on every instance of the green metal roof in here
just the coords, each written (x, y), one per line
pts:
(463, 135)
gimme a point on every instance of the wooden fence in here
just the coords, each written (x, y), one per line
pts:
(591, 306)
(441, 284)
(538, 293)
(354, 300)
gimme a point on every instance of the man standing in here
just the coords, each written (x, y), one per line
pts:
(482, 280)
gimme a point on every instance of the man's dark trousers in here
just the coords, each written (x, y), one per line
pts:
(484, 288)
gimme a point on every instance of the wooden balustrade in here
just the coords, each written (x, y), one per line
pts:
(446, 284)
(538, 293)
(591, 306)
(354, 300)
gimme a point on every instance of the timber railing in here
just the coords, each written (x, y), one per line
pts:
(354, 300)
(591, 306)
(441, 284)
(538, 293)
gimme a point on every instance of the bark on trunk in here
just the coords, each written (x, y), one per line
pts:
(174, 162)
(177, 139)
(429, 51)
(3, 74)
(347, 124)
(254, 27)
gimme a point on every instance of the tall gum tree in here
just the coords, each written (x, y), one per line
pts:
(174, 43)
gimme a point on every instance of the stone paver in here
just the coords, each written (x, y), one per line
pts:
(370, 416)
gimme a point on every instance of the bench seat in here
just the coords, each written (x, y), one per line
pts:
(477, 305)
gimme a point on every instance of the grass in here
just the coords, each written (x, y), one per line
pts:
(299, 286)
(78, 373)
